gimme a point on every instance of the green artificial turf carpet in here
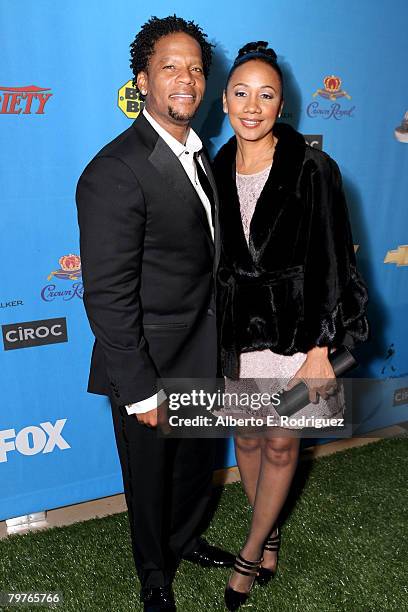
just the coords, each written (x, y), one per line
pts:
(344, 546)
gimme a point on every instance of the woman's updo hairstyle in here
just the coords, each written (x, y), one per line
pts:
(256, 50)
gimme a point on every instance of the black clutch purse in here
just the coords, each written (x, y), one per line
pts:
(292, 401)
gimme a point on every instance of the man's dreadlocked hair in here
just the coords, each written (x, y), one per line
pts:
(142, 47)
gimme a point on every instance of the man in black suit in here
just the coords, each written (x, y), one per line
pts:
(147, 211)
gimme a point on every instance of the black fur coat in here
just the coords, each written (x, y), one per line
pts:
(297, 285)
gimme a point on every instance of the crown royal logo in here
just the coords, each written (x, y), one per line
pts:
(332, 91)
(69, 270)
(30, 100)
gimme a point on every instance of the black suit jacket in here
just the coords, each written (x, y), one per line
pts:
(148, 263)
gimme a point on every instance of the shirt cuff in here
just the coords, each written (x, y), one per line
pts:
(150, 403)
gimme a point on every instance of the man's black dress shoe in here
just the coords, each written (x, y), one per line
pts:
(210, 556)
(156, 599)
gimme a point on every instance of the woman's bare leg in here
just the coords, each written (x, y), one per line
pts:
(279, 458)
(248, 452)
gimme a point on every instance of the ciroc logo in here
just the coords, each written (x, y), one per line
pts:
(69, 270)
(33, 439)
(400, 396)
(332, 91)
(314, 140)
(34, 333)
(30, 100)
(129, 100)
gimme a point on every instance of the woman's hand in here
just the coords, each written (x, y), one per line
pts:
(317, 373)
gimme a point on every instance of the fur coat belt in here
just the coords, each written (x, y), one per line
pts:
(296, 284)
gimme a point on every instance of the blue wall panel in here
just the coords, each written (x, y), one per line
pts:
(79, 52)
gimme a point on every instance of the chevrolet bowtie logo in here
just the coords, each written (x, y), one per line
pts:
(398, 256)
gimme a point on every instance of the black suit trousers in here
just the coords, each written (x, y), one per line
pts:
(167, 484)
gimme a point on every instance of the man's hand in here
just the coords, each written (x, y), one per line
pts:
(317, 373)
(155, 417)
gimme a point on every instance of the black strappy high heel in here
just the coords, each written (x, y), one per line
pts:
(272, 544)
(235, 599)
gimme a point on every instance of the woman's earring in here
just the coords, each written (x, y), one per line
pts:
(144, 92)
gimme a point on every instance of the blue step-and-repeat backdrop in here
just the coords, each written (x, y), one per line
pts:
(65, 92)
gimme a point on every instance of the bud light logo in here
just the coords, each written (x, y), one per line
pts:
(34, 333)
(33, 440)
(29, 100)
(69, 271)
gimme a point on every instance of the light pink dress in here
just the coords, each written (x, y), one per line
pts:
(272, 371)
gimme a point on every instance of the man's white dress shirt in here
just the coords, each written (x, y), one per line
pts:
(185, 154)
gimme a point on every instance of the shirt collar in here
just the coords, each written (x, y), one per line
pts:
(193, 142)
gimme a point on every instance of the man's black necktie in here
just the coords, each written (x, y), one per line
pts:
(206, 185)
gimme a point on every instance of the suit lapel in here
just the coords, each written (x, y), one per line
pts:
(172, 171)
(210, 176)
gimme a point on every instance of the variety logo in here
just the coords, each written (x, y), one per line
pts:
(34, 333)
(11, 304)
(314, 140)
(30, 100)
(69, 270)
(398, 256)
(33, 439)
(332, 91)
(129, 100)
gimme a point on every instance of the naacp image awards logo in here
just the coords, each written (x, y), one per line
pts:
(333, 106)
(401, 132)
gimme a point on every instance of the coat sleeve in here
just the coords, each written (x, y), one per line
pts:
(111, 218)
(335, 296)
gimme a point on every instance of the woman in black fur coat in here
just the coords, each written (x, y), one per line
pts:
(288, 287)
